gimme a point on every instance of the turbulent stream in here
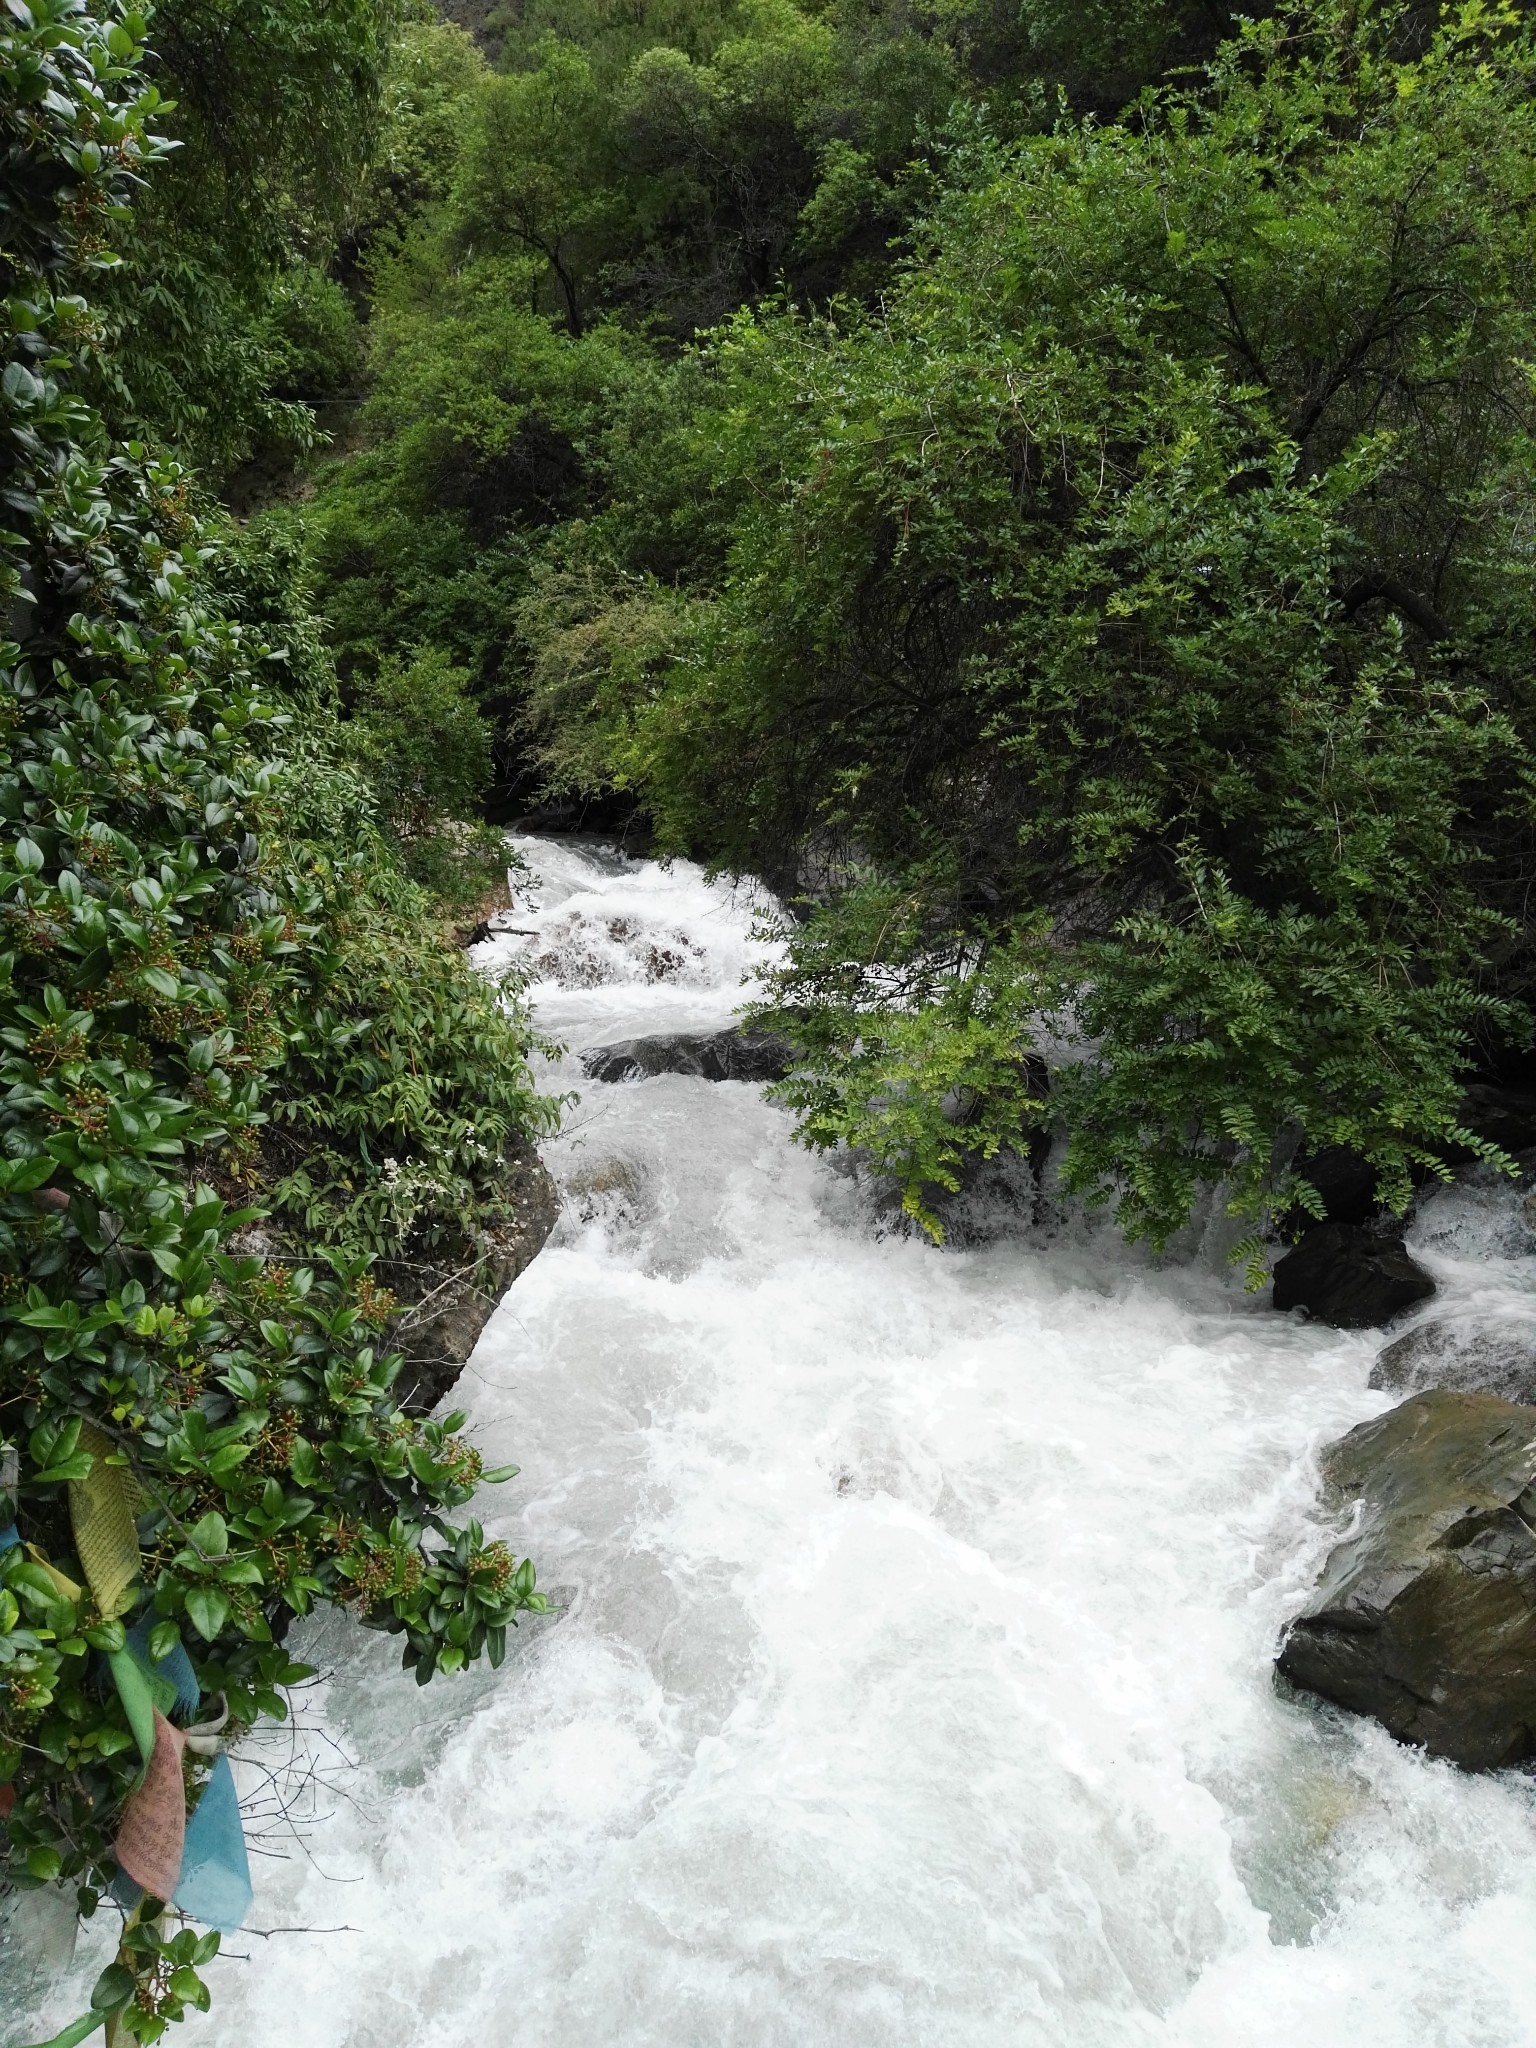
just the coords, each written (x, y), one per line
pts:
(911, 1679)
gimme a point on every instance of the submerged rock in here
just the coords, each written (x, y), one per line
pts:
(611, 1192)
(1470, 1358)
(1350, 1277)
(1425, 1616)
(734, 1055)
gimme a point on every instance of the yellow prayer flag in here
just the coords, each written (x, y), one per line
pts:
(101, 1513)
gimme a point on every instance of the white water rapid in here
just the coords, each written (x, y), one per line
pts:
(911, 1685)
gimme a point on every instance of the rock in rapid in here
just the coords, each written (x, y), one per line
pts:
(735, 1055)
(1349, 1276)
(1482, 1357)
(1425, 1616)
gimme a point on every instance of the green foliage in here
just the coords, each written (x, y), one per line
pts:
(490, 426)
(601, 642)
(314, 336)
(170, 960)
(664, 173)
(536, 241)
(420, 740)
(431, 72)
(398, 1106)
(68, 124)
(1101, 51)
(913, 1052)
(1139, 600)
(528, 179)
(224, 329)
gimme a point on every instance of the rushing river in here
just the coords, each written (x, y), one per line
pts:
(911, 1685)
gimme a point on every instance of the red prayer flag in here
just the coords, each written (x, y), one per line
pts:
(153, 1830)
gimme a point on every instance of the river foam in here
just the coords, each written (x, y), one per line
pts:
(912, 1684)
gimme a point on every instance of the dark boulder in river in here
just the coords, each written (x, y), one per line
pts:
(1425, 1616)
(1351, 1277)
(1480, 1357)
(734, 1055)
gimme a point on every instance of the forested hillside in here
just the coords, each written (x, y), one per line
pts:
(1047, 489)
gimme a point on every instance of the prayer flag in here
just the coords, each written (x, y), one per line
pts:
(153, 1829)
(101, 1513)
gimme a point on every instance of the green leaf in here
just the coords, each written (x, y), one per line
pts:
(185, 1984)
(208, 1610)
(163, 1638)
(77, 2031)
(227, 1459)
(210, 1536)
(113, 1988)
(424, 1465)
(77, 1467)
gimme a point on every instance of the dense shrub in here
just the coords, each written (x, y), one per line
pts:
(404, 1095)
(170, 957)
(223, 325)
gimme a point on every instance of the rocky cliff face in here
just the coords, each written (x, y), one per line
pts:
(451, 1303)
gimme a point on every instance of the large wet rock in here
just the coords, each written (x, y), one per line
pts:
(735, 1055)
(1469, 1357)
(1425, 1617)
(1350, 1277)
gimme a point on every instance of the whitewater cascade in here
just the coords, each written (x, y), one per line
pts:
(911, 1686)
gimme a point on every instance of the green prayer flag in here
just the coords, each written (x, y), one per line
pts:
(134, 1690)
(77, 2031)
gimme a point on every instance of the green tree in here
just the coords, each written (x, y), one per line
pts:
(1129, 625)
(274, 106)
(421, 741)
(532, 177)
